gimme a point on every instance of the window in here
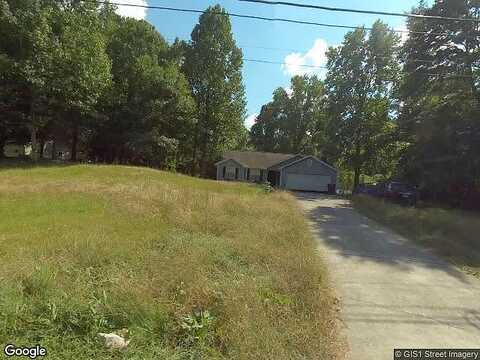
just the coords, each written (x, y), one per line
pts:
(309, 163)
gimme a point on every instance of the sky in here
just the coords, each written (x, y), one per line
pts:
(290, 45)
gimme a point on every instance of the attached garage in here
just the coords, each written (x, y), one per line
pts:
(308, 174)
(307, 182)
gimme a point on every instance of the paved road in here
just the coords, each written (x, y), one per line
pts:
(393, 294)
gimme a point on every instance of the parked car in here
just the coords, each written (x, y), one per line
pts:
(366, 189)
(398, 192)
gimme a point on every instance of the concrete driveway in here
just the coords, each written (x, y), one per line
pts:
(393, 294)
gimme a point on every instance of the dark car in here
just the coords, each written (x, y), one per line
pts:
(398, 192)
(366, 189)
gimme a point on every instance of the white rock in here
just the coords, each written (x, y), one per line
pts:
(113, 341)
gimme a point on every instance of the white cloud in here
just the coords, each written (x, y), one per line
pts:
(289, 91)
(300, 64)
(250, 120)
(404, 34)
(132, 11)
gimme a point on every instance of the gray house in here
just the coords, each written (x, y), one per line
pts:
(286, 171)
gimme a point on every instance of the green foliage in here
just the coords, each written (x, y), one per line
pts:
(213, 65)
(293, 123)
(441, 99)
(361, 78)
(450, 233)
(78, 74)
(267, 187)
(198, 327)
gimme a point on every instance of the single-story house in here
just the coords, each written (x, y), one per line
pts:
(286, 171)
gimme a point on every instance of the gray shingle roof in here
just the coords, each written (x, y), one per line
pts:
(255, 159)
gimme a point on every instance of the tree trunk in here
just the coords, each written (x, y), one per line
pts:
(34, 140)
(204, 145)
(33, 132)
(356, 177)
(193, 168)
(54, 150)
(73, 155)
(41, 144)
(3, 140)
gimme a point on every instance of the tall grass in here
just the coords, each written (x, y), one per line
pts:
(194, 269)
(453, 234)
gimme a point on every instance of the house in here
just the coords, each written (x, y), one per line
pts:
(286, 171)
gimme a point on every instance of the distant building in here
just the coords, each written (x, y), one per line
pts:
(286, 171)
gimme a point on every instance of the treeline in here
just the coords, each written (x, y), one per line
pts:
(388, 109)
(74, 72)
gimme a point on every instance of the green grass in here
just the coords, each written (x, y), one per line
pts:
(453, 234)
(88, 249)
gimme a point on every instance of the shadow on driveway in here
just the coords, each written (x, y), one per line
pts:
(351, 234)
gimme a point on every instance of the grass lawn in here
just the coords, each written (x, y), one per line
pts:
(453, 234)
(194, 269)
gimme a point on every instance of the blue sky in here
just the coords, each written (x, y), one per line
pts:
(293, 43)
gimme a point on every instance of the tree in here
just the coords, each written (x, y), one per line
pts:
(440, 94)
(27, 50)
(361, 78)
(82, 66)
(294, 122)
(213, 66)
(149, 106)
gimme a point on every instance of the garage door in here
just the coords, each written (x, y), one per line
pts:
(307, 182)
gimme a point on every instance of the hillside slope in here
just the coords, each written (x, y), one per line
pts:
(192, 268)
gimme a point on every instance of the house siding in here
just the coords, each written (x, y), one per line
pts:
(317, 168)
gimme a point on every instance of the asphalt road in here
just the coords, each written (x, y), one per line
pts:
(393, 294)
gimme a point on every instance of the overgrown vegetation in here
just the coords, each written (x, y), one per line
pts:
(77, 77)
(390, 108)
(450, 233)
(194, 269)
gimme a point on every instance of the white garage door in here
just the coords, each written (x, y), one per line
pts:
(307, 182)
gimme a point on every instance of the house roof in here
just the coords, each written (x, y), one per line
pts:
(255, 159)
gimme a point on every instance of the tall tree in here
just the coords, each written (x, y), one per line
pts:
(293, 122)
(27, 50)
(213, 64)
(82, 66)
(361, 78)
(440, 94)
(149, 107)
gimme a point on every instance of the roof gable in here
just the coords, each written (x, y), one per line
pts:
(256, 159)
(308, 157)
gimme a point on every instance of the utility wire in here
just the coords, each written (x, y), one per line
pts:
(246, 46)
(259, 18)
(255, 17)
(270, 62)
(349, 10)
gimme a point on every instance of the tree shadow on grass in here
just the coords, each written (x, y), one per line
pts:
(21, 163)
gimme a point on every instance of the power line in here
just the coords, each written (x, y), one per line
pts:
(246, 46)
(349, 10)
(270, 62)
(267, 19)
(262, 18)
(284, 63)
